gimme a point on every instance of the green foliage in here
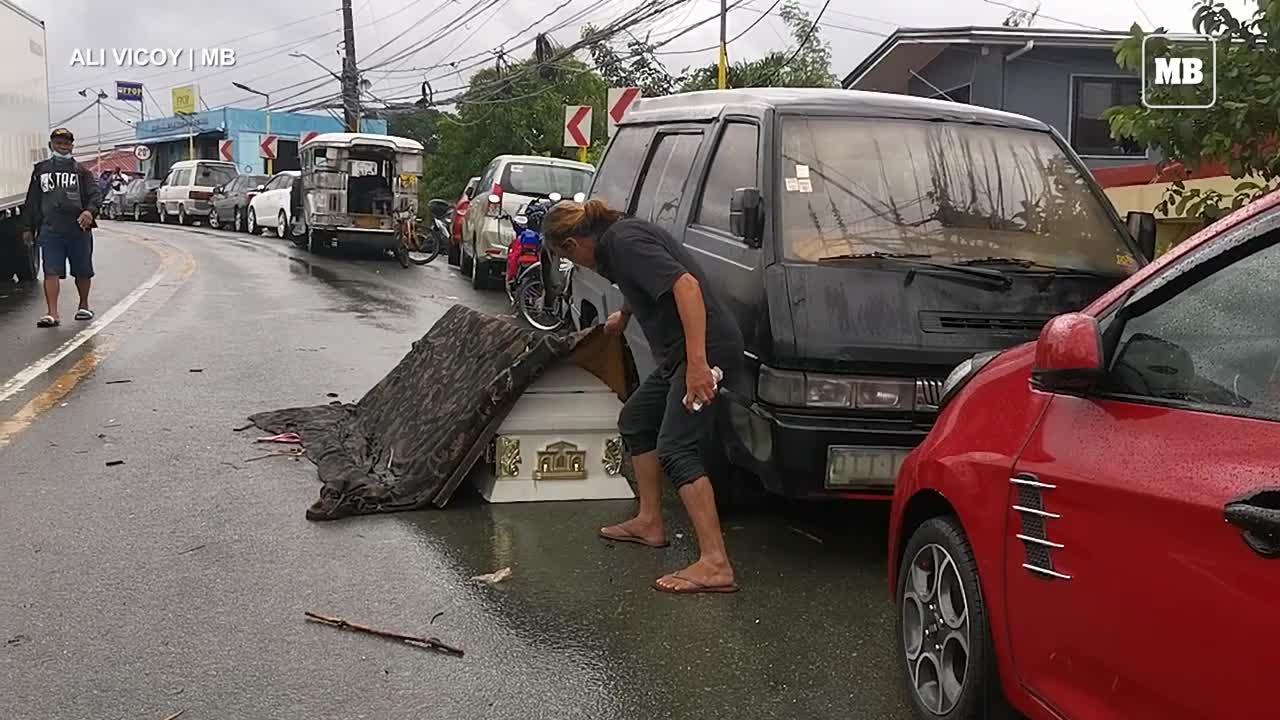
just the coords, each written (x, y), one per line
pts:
(1242, 128)
(514, 111)
(810, 68)
(638, 67)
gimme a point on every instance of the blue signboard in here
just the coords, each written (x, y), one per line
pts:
(129, 91)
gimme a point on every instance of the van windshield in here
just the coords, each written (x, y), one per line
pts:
(944, 192)
(537, 180)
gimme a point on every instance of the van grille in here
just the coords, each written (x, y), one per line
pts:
(940, 322)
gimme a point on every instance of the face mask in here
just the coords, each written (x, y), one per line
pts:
(64, 156)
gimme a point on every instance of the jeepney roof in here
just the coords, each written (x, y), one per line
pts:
(399, 144)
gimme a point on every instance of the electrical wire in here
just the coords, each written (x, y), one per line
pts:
(803, 41)
(730, 41)
(1046, 17)
(77, 114)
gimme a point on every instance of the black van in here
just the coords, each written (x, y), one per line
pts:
(867, 244)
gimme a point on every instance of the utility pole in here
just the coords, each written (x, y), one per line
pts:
(99, 96)
(350, 76)
(724, 49)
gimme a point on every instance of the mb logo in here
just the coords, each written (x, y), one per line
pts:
(1179, 72)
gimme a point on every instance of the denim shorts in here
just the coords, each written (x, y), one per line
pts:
(60, 249)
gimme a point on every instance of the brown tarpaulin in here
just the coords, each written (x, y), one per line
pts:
(412, 439)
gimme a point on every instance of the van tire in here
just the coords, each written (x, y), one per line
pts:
(182, 215)
(464, 263)
(736, 489)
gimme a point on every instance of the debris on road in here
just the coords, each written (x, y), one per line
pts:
(193, 549)
(290, 438)
(242, 428)
(436, 617)
(196, 370)
(113, 463)
(118, 382)
(495, 577)
(332, 395)
(811, 536)
(16, 640)
(428, 643)
(288, 452)
(175, 715)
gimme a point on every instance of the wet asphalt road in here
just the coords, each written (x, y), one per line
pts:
(178, 579)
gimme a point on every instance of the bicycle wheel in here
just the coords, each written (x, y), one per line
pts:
(428, 248)
(536, 308)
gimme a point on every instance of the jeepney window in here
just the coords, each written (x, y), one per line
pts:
(363, 168)
(411, 164)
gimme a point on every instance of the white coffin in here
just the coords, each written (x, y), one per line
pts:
(560, 442)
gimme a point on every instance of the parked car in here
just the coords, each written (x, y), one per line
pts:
(271, 206)
(508, 184)
(139, 199)
(460, 214)
(229, 205)
(1094, 522)
(187, 189)
(865, 243)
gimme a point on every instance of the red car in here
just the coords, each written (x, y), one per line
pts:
(460, 214)
(1092, 528)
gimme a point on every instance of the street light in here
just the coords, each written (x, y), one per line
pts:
(267, 97)
(98, 141)
(317, 62)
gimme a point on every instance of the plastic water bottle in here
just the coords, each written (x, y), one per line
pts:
(716, 373)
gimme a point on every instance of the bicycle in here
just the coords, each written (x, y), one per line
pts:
(415, 246)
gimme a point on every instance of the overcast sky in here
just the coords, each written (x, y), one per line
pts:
(264, 32)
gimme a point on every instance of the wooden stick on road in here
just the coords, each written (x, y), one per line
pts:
(429, 643)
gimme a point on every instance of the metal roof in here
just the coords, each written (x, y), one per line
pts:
(349, 139)
(1046, 37)
(710, 104)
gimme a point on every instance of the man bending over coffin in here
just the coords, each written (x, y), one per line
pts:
(690, 334)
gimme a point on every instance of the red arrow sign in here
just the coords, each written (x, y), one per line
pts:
(577, 126)
(619, 100)
(267, 147)
(225, 150)
(307, 137)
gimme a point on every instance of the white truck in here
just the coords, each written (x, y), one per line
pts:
(24, 131)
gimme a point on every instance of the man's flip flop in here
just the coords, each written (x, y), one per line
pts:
(629, 538)
(693, 587)
(48, 321)
(84, 314)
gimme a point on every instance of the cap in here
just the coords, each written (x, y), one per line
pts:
(62, 132)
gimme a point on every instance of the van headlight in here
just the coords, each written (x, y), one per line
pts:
(962, 374)
(799, 389)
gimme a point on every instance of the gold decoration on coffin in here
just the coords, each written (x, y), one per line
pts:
(506, 457)
(561, 461)
(613, 456)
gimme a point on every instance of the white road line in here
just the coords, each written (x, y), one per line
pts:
(41, 366)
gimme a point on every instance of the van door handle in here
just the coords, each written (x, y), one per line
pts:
(1258, 518)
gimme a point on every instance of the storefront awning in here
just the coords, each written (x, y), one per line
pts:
(177, 136)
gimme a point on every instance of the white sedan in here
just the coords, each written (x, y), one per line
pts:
(271, 207)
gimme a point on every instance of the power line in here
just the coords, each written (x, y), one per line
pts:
(731, 40)
(803, 41)
(1046, 17)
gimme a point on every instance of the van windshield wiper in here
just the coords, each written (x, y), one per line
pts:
(991, 275)
(1028, 264)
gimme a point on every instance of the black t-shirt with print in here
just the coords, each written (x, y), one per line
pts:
(645, 261)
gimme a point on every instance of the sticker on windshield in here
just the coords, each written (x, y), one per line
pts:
(792, 185)
(802, 171)
(806, 185)
(517, 168)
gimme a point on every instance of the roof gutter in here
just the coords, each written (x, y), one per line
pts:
(1020, 51)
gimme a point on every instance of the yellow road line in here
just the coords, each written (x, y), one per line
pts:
(177, 264)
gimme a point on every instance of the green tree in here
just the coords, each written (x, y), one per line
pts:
(1242, 128)
(806, 63)
(517, 110)
(638, 67)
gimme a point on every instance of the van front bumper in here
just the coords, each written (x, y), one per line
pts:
(810, 454)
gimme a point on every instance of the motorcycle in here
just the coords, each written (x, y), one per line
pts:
(544, 290)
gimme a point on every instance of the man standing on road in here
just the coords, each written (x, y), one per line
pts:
(662, 423)
(62, 203)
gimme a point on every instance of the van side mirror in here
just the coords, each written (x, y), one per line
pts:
(1142, 227)
(746, 216)
(1068, 355)
(260, 188)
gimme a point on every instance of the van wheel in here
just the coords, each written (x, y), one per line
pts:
(237, 220)
(479, 274)
(160, 214)
(464, 263)
(455, 254)
(182, 215)
(944, 640)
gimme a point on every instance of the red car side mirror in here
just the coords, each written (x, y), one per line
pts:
(1068, 354)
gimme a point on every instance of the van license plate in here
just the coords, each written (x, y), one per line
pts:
(861, 466)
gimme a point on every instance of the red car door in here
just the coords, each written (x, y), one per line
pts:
(1143, 549)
